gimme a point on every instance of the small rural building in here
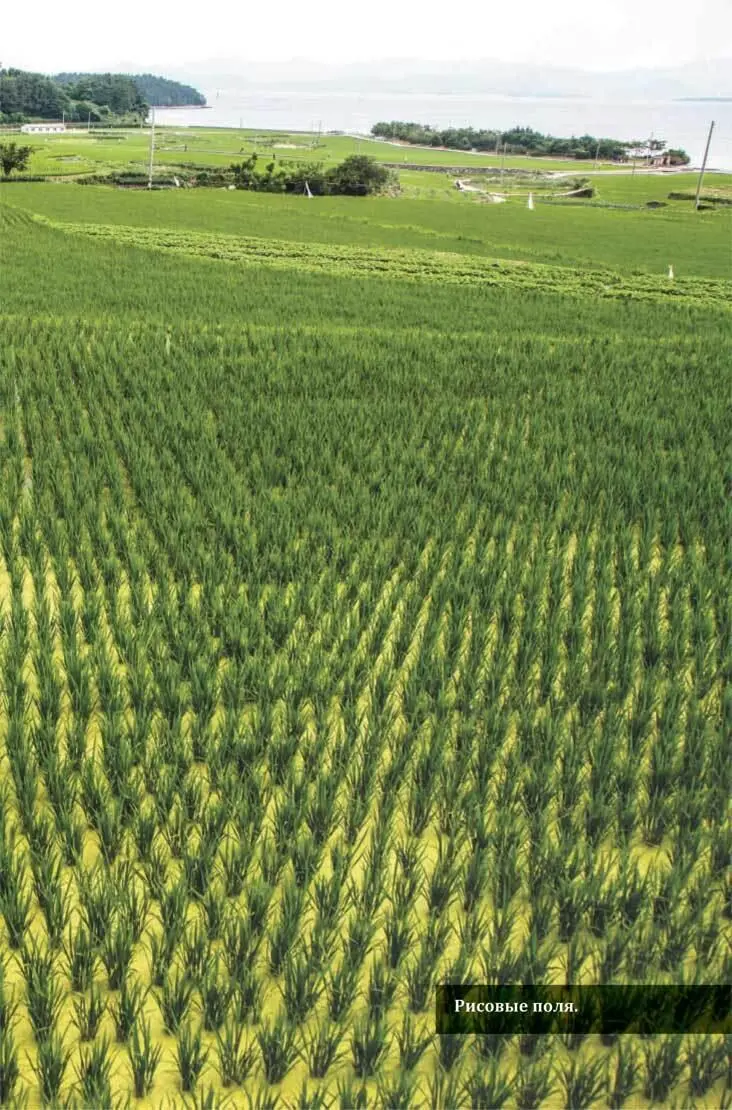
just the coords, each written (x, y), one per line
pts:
(43, 128)
(649, 157)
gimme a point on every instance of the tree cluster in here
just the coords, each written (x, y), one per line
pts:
(114, 91)
(357, 175)
(30, 94)
(162, 93)
(518, 140)
(84, 96)
(123, 92)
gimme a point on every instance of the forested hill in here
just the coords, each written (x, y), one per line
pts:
(156, 91)
(87, 96)
(162, 93)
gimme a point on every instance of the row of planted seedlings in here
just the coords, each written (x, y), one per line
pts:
(416, 811)
(424, 775)
(404, 264)
(206, 481)
(651, 628)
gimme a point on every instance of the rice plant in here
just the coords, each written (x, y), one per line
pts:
(9, 1066)
(50, 1067)
(174, 1000)
(352, 1095)
(236, 1060)
(277, 1041)
(89, 1009)
(369, 1044)
(533, 1084)
(706, 1063)
(144, 1057)
(664, 1066)
(582, 1082)
(487, 1087)
(44, 992)
(116, 952)
(128, 1007)
(82, 958)
(215, 993)
(622, 1075)
(322, 1048)
(191, 1057)
(301, 987)
(94, 1074)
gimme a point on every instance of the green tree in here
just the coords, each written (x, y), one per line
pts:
(245, 173)
(358, 176)
(14, 157)
(311, 172)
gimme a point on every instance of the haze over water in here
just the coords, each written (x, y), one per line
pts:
(681, 123)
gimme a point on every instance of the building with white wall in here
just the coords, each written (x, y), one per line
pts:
(43, 128)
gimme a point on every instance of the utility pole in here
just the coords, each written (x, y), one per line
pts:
(597, 153)
(703, 167)
(152, 148)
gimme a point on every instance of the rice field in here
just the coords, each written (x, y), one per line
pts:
(576, 237)
(364, 625)
(75, 151)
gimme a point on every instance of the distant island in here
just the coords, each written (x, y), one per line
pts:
(89, 97)
(524, 140)
(706, 99)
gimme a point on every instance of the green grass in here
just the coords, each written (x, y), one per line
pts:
(591, 238)
(640, 189)
(408, 265)
(49, 272)
(218, 146)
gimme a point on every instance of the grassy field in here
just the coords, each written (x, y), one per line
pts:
(364, 625)
(214, 146)
(696, 244)
(82, 152)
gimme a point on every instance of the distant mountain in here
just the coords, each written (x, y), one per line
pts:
(485, 77)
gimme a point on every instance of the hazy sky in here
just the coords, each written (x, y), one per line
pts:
(619, 34)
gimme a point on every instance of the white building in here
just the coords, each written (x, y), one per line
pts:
(43, 128)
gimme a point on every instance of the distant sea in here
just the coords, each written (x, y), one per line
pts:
(681, 123)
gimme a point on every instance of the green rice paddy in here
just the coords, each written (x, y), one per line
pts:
(364, 625)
